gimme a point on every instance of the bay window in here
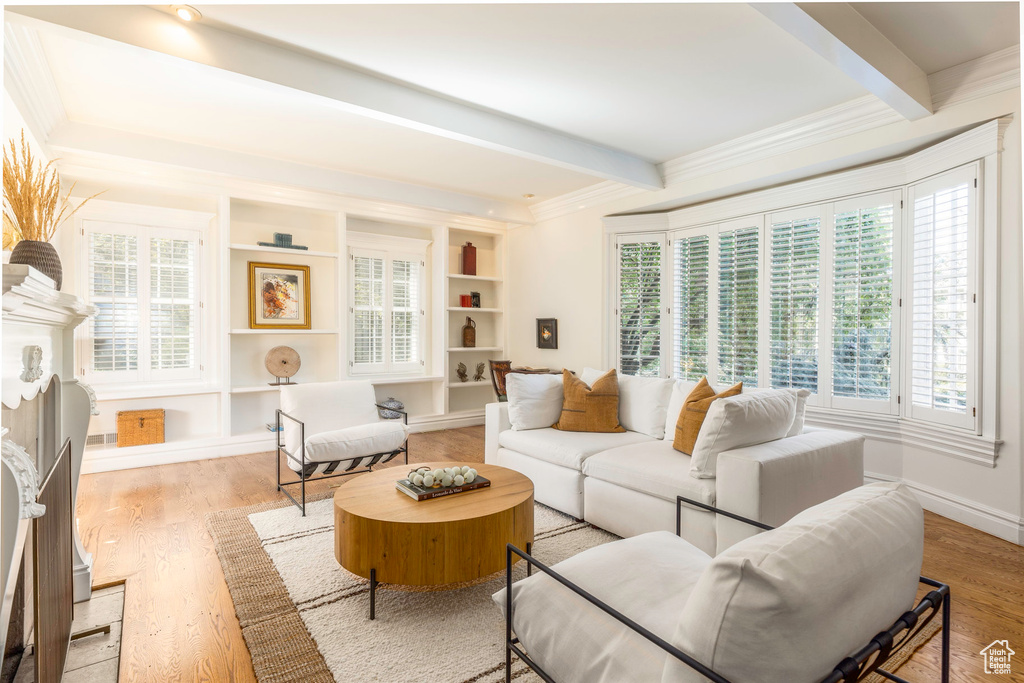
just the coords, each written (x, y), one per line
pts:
(828, 297)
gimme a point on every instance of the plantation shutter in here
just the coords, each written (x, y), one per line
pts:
(738, 252)
(405, 314)
(172, 303)
(690, 306)
(368, 311)
(144, 283)
(114, 290)
(942, 308)
(793, 324)
(863, 303)
(639, 305)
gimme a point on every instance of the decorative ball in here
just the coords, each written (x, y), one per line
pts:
(459, 480)
(411, 475)
(421, 470)
(465, 470)
(438, 473)
(446, 480)
(428, 480)
(417, 479)
(470, 476)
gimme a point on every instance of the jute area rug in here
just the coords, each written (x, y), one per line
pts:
(304, 618)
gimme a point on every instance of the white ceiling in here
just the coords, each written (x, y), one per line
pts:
(938, 35)
(655, 81)
(176, 100)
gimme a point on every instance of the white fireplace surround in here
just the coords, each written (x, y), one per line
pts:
(38, 358)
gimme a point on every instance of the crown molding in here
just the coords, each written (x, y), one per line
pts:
(988, 75)
(980, 77)
(29, 81)
(969, 146)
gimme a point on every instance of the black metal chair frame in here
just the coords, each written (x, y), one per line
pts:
(857, 667)
(351, 469)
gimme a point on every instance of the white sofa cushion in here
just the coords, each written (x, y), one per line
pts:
(740, 421)
(787, 605)
(647, 578)
(680, 390)
(652, 467)
(568, 449)
(801, 408)
(643, 401)
(534, 401)
(354, 442)
(326, 406)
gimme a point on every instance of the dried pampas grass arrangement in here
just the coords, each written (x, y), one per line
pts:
(33, 206)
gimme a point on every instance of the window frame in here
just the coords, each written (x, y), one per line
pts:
(391, 249)
(863, 405)
(665, 324)
(145, 223)
(971, 174)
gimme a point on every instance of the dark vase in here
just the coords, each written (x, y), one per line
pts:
(41, 256)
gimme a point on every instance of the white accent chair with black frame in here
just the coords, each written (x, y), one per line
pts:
(827, 597)
(329, 424)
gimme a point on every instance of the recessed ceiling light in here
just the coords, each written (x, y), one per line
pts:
(529, 195)
(187, 13)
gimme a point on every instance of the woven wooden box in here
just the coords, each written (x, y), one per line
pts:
(139, 427)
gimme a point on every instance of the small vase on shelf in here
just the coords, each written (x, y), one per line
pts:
(40, 255)
(469, 334)
(468, 259)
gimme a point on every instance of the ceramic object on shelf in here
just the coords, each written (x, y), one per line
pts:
(469, 333)
(462, 372)
(468, 259)
(479, 375)
(40, 255)
(394, 404)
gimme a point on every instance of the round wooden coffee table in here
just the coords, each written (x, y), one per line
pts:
(383, 535)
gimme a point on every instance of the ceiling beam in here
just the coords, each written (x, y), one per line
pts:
(282, 69)
(147, 156)
(837, 32)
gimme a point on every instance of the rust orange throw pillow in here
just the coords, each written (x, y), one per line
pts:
(695, 408)
(590, 409)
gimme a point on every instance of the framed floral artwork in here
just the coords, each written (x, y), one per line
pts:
(278, 297)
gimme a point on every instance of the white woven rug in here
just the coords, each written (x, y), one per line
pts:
(438, 635)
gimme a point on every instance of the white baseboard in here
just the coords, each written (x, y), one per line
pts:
(977, 515)
(111, 459)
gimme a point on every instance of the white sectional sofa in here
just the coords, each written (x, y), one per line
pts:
(627, 482)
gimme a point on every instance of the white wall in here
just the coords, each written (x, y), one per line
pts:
(558, 269)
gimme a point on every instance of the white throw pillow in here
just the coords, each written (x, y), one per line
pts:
(789, 604)
(797, 427)
(680, 390)
(740, 421)
(534, 401)
(643, 401)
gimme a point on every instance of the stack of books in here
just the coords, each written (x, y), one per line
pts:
(422, 493)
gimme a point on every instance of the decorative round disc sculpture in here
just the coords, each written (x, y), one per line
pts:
(283, 362)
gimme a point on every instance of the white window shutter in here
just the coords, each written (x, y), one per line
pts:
(863, 302)
(738, 306)
(405, 314)
(794, 265)
(368, 311)
(942, 310)
(690, 306)
(172, 303)
(639, 305)
(114, 290)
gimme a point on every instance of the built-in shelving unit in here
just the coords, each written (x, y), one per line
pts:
(491, 339)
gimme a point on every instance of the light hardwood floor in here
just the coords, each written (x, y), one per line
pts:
(147, 526)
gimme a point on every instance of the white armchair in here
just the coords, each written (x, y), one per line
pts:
(328, 424)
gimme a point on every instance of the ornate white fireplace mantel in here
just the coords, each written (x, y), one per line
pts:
(38, 348)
